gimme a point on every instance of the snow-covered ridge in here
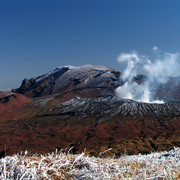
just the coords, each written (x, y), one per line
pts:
(76, 68)
(59, 165)
(90, 81)
(70, 78)
(111, 105)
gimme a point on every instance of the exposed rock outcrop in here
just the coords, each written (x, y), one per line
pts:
(76, 106)
(93, 80)
(94, 124)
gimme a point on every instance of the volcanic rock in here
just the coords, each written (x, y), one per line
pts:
(76, 107)
(87, 80)
(10, 102)
(169, 91)
(94, 124)
(91, 81)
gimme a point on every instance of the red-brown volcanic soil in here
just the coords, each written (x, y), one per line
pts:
(42, 135)
(39, 122)
(38, 128)
(10, 105)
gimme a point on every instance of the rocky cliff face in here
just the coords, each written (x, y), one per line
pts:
(94, 124)
(106, 107)
(91, 80)
(76, 107)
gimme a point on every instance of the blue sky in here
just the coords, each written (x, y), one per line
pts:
(38, 35)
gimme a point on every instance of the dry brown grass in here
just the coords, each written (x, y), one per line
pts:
(60, 165)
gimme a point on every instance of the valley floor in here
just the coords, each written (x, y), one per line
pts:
(60, 165)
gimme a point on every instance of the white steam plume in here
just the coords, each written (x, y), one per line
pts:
(132, 59)
(156, 71)
(155, 48)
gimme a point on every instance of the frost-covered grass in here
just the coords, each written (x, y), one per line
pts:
(60, 165)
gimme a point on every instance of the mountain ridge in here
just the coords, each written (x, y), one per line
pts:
(77, 107)
(91, 81)
(66, 78)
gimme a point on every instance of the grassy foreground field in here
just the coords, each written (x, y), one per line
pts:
(60, 165)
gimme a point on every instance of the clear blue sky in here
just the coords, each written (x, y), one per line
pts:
(38, 35)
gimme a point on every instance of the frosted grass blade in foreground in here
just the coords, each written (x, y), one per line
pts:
(61, 165)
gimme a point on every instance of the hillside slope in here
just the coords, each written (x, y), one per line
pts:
(94, 124)
(86, 80)
(76, 107)
(91, 81)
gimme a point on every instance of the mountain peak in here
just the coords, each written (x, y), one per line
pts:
(99, 80)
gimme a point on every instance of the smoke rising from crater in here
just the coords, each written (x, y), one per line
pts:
(156, 71)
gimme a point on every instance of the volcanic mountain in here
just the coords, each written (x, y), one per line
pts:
(76, 107)
(90, 81)
(86, 81)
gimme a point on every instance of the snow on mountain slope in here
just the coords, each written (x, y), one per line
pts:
(111, 105)
(70, 78)
(92, 81)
